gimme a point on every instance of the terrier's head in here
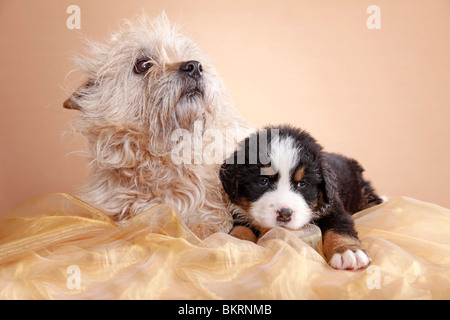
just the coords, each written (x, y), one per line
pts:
(147, 77)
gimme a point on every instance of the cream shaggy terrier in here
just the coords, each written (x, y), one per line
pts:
(143, 86)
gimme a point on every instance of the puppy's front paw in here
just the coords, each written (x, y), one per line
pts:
(350, 260)
(344, 252)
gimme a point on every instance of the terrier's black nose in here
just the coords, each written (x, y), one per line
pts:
(192, 68)
(284, 214)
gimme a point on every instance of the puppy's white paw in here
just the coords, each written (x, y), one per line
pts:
(350, 260)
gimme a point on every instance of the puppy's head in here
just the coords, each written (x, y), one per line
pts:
(292, 187)
(147, 76)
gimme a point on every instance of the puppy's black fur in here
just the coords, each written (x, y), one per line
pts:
(333, 185)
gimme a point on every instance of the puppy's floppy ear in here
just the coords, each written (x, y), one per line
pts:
(230, 180)
(232, 170)
(327, 188)
(72, 101)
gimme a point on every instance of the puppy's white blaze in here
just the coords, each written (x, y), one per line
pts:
(284, 157)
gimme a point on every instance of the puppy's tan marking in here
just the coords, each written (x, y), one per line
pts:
(299, 174)
(268, 171)
(243, 203)
(339, 243)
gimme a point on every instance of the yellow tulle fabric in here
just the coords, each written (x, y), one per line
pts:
(57, 247)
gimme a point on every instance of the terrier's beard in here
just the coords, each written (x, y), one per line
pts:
(190, 108)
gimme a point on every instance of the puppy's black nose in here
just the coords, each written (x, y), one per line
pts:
(192, 68)
(284, 214)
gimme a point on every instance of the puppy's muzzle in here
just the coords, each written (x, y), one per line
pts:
(192, 69)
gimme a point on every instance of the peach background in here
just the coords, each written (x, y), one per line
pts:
(381, 96)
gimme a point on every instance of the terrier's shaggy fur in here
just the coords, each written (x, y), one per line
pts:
(139, 89)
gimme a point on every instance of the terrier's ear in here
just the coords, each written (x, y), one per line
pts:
(72, 102)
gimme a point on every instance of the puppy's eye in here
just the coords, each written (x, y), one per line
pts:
(263, 181)
(301, 184)
(142, 66)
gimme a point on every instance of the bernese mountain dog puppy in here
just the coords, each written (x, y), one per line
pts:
(281, 177)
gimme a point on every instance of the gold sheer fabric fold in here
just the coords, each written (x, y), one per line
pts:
(57, 247)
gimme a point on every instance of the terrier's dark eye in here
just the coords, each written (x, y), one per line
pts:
(142, 66)
(301, 184)
(263, 181)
